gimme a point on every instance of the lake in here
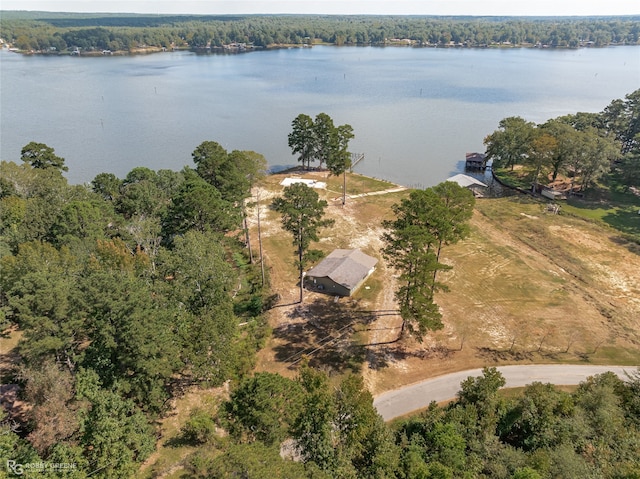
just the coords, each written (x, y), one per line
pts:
(415, 111)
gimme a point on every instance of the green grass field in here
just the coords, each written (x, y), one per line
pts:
(611, 206)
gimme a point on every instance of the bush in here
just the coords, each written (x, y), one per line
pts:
(200, 428)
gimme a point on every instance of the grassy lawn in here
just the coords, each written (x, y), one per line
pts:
(621, 212)
(517, 178)
(614, 207)
(356, 184)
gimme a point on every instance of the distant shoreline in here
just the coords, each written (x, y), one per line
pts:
(233, 50)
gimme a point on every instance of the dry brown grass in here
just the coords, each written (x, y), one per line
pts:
(526, 286)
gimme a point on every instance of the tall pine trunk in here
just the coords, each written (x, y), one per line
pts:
(344, 187)
(301, 266)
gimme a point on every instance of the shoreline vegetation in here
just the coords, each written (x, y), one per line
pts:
(45, 33)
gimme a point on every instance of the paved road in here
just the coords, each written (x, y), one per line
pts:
(402, 401)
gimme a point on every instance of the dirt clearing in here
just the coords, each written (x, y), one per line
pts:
(526, 286)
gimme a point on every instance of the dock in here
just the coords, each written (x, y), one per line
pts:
(475, 161)
(355, 159)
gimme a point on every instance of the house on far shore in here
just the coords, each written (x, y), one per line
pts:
(476, 186)
(475, 161)
(341, 273)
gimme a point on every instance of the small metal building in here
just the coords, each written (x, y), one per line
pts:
(476, 186)
(341, 273)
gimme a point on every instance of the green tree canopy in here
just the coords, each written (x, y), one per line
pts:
(249, 461)
(510, 144)
(199, 279)
(320, 140)
(424, 222)
(114, 434)
(42, 156)
(339, 159)
(83, 222)
(198, 206)
(232, 174)
(106, 185)
(302, 215)
(263, 407)
(39, 285)
(134, 346)
(302, 139)
(622, 118)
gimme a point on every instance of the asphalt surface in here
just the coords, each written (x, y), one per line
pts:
(399, 402)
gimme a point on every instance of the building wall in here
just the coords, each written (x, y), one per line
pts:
(326, 285)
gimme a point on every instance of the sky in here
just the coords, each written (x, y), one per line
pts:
(338, 7)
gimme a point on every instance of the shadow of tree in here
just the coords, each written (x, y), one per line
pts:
(633, 247)
(180, 440)
(626, 220)
(385, 353)
(503, 355)
(322, 331)
(329, 333)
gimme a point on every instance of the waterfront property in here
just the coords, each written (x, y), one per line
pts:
(341, 273)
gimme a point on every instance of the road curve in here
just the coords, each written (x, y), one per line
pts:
(399, 402)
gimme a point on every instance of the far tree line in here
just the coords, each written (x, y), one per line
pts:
(50, 32)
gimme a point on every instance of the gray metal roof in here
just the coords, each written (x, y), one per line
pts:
(347, 267)
(466, 181)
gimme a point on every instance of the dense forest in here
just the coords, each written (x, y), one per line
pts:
(124, 293)
(51, 33)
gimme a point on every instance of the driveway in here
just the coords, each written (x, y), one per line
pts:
(399, 402)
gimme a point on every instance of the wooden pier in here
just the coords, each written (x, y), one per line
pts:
(355, 159)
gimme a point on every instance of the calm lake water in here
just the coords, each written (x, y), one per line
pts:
(415, 112)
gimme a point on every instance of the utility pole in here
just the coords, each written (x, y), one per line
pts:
(260, 234)
(344, 187)
(245, 225)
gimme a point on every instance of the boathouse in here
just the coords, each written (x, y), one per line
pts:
(476, 186)
(475, 161)
(341, 273)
